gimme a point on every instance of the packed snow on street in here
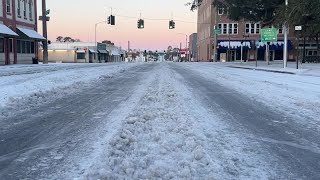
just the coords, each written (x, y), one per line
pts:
(157, 121)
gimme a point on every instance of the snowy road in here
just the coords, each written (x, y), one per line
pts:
(167, 121)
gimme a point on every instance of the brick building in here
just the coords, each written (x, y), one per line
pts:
(18, 31)
(228, 46)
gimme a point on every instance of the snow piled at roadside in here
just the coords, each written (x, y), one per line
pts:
(294, 95)
(165, 137)
(28, 84)
(35, 88)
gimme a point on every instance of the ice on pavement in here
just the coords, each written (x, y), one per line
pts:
(170, 135)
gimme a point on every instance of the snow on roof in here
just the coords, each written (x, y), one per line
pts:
(31, 33)
(7, 31)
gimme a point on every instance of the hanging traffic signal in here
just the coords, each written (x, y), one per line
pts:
(172, 24)
(140, 24)
(109, 20)
(112, 20)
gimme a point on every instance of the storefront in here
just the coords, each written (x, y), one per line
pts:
(276, 50)
(231, 50)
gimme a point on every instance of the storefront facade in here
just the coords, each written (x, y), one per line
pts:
(18, 32)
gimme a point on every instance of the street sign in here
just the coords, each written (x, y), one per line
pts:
(217, 31)
(298, 28)
(269, 35)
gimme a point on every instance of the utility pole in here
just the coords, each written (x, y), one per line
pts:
(45, 32)
(285, 47)
(215, 36)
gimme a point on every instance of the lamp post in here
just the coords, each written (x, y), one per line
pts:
(285, 47)
(95, 32)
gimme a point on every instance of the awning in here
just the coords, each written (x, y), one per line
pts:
(4, 30)
(30, 34)
(278, 45)
(115, 53)
(234, 45)
(81, 51)
(92, 51)
(103, 51)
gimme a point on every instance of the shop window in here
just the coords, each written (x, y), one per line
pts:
(28, 48)
(1, 45)
(11, 45)
(23, 47)
(18, 46)
(32, 47)
(81, 55)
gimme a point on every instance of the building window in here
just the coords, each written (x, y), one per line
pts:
(1, 45)
(231, 28)
(220, 11)
(19, 9)
(81, 55)
(30, 10)
(9, 7)
(224, 29)
(252, 28)
(258, 28)
(25, 9)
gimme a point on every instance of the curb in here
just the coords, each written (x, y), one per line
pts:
(266, 70)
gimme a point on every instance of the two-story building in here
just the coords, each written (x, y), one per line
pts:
(232, 35)
(18, 31)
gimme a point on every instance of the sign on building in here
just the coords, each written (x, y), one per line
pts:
(269, 35)
(217, 31)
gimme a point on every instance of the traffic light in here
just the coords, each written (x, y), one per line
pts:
(172, 24)
(140, 24)
(112, 20)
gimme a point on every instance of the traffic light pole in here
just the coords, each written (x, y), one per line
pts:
(45, 32)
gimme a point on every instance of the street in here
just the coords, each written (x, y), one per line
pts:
(164, 120)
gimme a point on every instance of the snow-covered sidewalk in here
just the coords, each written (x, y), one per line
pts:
(291, 94)
(25, 81)
(165, 137)
(312, 69)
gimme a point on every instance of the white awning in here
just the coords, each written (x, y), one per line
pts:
(32, 34)
(234, 44)
(92, 51)
(4, 30)
(115, 53)
(103, 51)
(81, 51)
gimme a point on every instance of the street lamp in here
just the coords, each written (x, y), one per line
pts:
(95, 32)
(285, 47)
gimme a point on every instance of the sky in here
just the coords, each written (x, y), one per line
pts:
(77, 19)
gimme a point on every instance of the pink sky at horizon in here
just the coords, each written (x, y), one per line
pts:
(77, 19)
